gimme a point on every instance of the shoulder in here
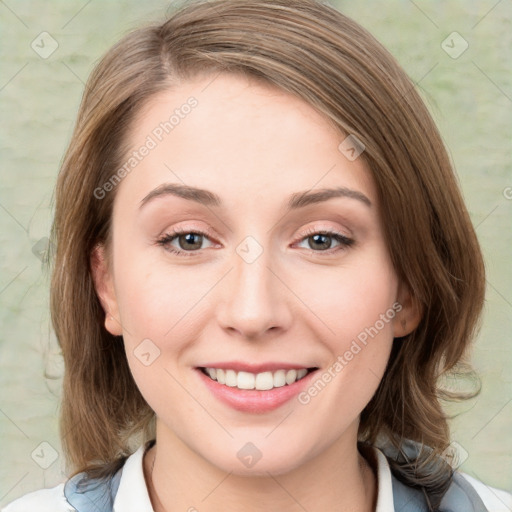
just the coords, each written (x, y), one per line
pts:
(43, 500)
(78, 492)
(495, 500)
(465, 493)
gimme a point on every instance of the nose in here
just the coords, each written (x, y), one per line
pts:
(254, 299)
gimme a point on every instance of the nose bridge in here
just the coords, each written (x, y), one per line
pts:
(253, 299)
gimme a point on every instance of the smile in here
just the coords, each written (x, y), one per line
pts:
(261, 381)
(259, 391)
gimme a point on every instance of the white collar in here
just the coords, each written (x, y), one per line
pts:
(132, 495)
(384, 483)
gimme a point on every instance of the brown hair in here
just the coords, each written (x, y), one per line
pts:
(310, 50)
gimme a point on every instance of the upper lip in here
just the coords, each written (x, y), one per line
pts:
(240, 366)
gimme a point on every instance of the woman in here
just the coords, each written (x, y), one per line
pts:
(263, 268)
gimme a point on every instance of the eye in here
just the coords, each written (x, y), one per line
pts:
(188, 241)
(321, 241)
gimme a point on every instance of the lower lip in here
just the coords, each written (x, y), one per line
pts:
(252, 400)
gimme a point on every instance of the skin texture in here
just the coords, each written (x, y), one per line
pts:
(253, 145)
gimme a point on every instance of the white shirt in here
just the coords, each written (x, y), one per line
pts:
(132, 495)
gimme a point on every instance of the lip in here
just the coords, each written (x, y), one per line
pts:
(240, 366)
(253, 400)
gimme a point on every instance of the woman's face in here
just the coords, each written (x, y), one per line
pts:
(252, 286)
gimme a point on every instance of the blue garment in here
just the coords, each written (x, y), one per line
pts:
(92, 495)
(98, 495)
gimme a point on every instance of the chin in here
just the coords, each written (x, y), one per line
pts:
(250, 461)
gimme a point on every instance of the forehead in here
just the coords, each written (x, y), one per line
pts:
(243, 139)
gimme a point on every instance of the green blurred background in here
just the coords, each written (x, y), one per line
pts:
(470, 97)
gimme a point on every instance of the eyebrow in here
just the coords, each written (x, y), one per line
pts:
(295, 201)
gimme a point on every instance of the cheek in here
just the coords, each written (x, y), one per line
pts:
(356, 306)
(352, 299)
(161, 310)
(153, 302)
(156, 310)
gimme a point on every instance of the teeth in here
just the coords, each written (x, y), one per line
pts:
(231, 379)
(221, 376)
(291, 376)
(245, 380)
(261, 381)
(279, 378)
(264, 381)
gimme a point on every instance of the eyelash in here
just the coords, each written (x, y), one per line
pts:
(165, 240)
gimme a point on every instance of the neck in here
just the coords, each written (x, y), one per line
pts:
(337, 480)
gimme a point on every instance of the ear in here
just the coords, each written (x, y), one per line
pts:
(104, 286)
(408, 313)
